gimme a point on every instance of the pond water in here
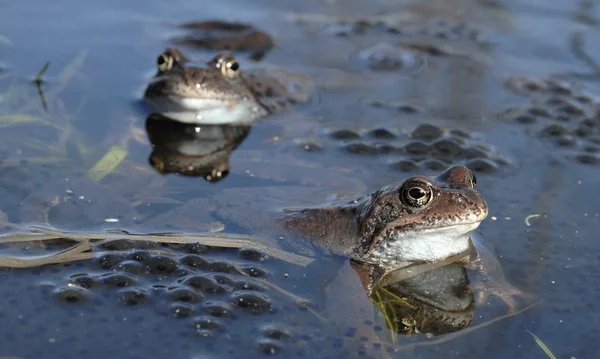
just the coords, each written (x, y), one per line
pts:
(509, 88)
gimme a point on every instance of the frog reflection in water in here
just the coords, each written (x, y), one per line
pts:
(220, 92)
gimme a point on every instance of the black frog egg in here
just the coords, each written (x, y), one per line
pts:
(409, 109)
(360, 148)
(109, 260)
(207, 323)
(417, 148)
(161, 264)
(427, 132)
(248, 285)
(566, 141)
(222, 279)
(558, 87)
(133, 267)
(382, 133)
(140, 256)
(435, 164)
(344, 134)
(525, 85)
(223, 267)
(132, 296)
(311, 146)
(482, 165)
(570, 109)
(184, 294)
(554, 130)
(72, 294)
(119, 245)
(474, 152)
(118, 279)
(447, 148)
(83, 280)
(217, 309)
(584, 130)
(275, 332)
(255, 272)
(405, 166)
(205, 285)
(525, 118)
(195, 248)
(539, 112)
(588, 158)
(251, 254)
(181, 310)
(194, 261)
(252, 302)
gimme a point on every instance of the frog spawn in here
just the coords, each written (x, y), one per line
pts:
(561, 112)
(402, 45)
(426, 147)
(207, 294)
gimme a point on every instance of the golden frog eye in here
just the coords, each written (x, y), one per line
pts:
(416, 194)
(165, 61)
(216, 175)
(229, 66)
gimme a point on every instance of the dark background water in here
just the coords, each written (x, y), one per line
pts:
(555, 258)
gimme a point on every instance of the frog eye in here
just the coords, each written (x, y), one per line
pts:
(229, 66)
(165, 61)
(416, 194)
(216, 175)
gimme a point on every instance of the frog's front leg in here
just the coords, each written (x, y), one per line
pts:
(490, 278)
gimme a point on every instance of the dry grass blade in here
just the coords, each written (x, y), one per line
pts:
(39, 233)
(542, 345)
(66, 255)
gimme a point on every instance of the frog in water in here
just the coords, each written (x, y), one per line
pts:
(220, 92)
(420, 219)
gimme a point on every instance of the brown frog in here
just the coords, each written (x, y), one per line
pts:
(220, 92)
(420, 219)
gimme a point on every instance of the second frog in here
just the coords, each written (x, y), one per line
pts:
(220, 92)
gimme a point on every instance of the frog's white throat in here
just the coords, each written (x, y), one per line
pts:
(427, 245)
(207, 111)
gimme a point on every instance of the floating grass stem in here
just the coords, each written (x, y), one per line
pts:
(542, 345)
